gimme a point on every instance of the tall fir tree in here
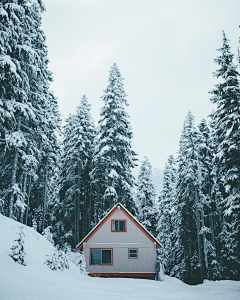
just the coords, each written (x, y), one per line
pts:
(146, 198)
(28, 110)
(114, 158)
(76, 207)
(189, 205)
(210, 222)
(226, 131)
(167, 215)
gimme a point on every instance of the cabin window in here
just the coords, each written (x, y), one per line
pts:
(133, 253)
(101, 256)
(119, 226)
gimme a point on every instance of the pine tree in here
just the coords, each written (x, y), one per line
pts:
(76, 195)
(146, 198)
(29, 119)
(209, 218)
(57, 261)
(226, 130)
(167, 215)
(189, 206)
(114, 158)
(48, 235)
(15, 106)
(18, 253)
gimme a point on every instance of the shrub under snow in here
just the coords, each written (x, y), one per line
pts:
(48, 235)
(77, 258)
(18, 253)
(58, 261)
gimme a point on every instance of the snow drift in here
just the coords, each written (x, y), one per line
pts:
(37, 281)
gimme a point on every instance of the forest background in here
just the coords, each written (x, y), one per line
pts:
(66, 178)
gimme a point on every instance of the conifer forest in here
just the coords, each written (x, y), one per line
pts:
(65, 175)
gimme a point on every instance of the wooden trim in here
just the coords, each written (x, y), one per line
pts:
(144, 231)
(108, 216)
(119, 220)
(103, 221)
(90, 264)
(132, 257)
(148, 275)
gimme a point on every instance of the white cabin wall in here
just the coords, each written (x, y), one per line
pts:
(146, 261)
(133, 235)
(120, 242)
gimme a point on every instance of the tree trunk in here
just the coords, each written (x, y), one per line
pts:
(205, 247)
(76, 218)
(198, 236)
(24, 193)
(211, 213)
(45, 199)
(14, 174)
(28, 199)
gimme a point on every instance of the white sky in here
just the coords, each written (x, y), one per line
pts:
(164, 49)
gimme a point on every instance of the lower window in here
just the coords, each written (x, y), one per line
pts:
(101, 256)
(133, 253)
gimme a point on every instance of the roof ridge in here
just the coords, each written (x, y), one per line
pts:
(107, 214)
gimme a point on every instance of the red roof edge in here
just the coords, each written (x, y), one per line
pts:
(108, 215)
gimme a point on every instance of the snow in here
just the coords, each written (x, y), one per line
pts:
(113, 174)
(37, 282)
(5, 59)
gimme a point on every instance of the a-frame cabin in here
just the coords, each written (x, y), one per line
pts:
(119, 246)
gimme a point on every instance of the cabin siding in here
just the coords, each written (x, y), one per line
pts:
(133, 234)
(146, 261)
(120, 242)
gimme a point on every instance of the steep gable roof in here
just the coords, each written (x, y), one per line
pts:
(108, 215)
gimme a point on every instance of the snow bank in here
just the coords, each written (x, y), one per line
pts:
(37, 282)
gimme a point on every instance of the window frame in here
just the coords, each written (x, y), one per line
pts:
(119, 220)
(129, 253)
(90, 262)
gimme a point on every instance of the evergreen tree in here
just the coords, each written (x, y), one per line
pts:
(18, 253)
(146, 198)
(210, 221)
(189, 205)
(76, 195)
(48, 235)
(114, 158)
(57, 261)
(29, 118)
(226, 130)
(167, 215)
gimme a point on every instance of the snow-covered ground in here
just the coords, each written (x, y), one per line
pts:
(37, 282)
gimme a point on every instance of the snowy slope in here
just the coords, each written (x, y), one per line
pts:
(37, 282)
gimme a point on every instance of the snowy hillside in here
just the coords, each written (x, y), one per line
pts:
(37, 281)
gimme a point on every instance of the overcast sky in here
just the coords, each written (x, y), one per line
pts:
(164, 49)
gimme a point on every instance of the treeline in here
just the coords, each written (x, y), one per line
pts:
(66, 185)
(199, 207)
(96, 164)
(29, 118)
(66, 178)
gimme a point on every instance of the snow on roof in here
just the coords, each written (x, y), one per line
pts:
(106, 217)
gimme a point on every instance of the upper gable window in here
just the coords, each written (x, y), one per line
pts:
(119, 226)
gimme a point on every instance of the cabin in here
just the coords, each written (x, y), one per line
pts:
(119, 246)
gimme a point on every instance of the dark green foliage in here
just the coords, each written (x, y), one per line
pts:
(205, 208)
(146, 198)
(226, 130)
(76, 208)
(167, 223)
(29, 118)
(114, 158)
